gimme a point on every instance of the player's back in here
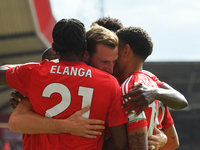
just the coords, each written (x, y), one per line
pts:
(59, 89)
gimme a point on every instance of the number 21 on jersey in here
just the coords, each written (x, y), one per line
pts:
(65, 93)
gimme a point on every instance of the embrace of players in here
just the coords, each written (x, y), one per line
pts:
(91, 92)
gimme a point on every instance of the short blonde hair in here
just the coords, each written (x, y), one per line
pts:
(100, 35)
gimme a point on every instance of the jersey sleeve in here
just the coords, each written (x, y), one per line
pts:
(18, 77)
(116, 115)
(153, 77)
(167, 121)
(135, 122)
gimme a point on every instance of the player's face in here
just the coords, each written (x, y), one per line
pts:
(104, 58)
(119, 63)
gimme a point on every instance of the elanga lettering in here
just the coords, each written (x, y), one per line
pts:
(71, 71)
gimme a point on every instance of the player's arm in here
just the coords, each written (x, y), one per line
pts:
(144, 96)
(172, 139)
(171, 97)
(137, 138)
(3, 70)
(118, 139)
(158, 140)
(24, 120)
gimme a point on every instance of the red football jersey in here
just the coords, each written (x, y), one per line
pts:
(167, 121)
(156, 114)
(58, 90)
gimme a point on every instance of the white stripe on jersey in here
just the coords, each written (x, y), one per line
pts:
(124, 88)
(148, 73)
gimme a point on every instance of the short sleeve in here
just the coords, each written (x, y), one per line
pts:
(18, 77)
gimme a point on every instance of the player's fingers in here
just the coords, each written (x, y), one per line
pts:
(157, 130)
(141, 109)
(15, 96)
(13, 106)
(89, 136)
(95, 127)
(83, 110)
(13, 101)
(135, 87)
(134, 107)
(94, 121)
(131, 101)
(152, 142)
(131, 94)
(151, 147)
(92, 132)
(153, 138)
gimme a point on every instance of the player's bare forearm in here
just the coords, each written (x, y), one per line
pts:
(171, 97)
(118, 139)
(143, 96)
(138, 139)
(24, 120)
(172, 139)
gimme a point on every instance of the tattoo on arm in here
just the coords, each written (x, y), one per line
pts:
(138, 141)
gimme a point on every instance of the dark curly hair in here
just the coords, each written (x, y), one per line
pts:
(138, 39)
(112, 24)
(69, 35)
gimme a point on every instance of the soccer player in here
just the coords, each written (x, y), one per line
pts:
(106, 62)
(59, 89)
(143, 95)
(135, 45)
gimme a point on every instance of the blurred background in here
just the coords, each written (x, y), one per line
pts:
(174, 25)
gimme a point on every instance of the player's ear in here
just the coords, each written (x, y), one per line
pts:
(85, 44)
(127, 49)
(86, 57)
(53, 47)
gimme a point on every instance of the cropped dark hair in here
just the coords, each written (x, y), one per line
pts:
(69, 35)
(112, 24)
(138, 39)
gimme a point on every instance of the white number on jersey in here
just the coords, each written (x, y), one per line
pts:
(65, 93)
(154, 115)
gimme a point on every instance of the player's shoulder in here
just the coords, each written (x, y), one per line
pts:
(148, 73)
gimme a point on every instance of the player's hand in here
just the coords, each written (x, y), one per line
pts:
(158, 140)
(142, 95)
(84, 127)
(16, 98)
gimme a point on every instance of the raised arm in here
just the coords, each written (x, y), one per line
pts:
(24, 120)
(144, 96)
(171, 97)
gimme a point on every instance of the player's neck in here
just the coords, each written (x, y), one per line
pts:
(131, 67)
(70, 57)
